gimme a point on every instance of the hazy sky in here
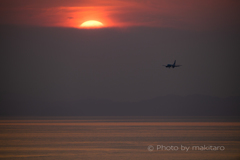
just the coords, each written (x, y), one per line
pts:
(45, 55)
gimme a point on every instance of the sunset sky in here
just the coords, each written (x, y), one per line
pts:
(46, 55)
(184, 14)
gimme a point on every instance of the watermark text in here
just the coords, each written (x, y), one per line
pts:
(185, 148)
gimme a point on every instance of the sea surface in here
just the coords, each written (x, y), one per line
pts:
(120, 138)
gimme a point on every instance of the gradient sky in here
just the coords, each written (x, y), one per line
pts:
(45, 55)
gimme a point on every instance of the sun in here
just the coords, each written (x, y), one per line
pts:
(91, 24)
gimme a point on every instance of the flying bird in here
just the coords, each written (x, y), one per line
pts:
(172, 65)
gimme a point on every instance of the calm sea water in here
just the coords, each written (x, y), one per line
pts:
(120, 138)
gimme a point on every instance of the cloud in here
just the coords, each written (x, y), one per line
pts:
(185, 14)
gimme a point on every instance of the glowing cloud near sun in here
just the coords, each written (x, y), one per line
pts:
(91, 24)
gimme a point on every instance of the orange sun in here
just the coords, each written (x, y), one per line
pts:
(91, 24)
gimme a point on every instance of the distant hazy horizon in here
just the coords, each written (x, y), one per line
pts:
(192, 105)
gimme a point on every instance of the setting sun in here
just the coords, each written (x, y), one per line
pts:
(91, 24)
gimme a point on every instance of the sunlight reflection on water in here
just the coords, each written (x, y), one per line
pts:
(117, 137)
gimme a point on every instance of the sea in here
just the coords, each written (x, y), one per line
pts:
(120, 138)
